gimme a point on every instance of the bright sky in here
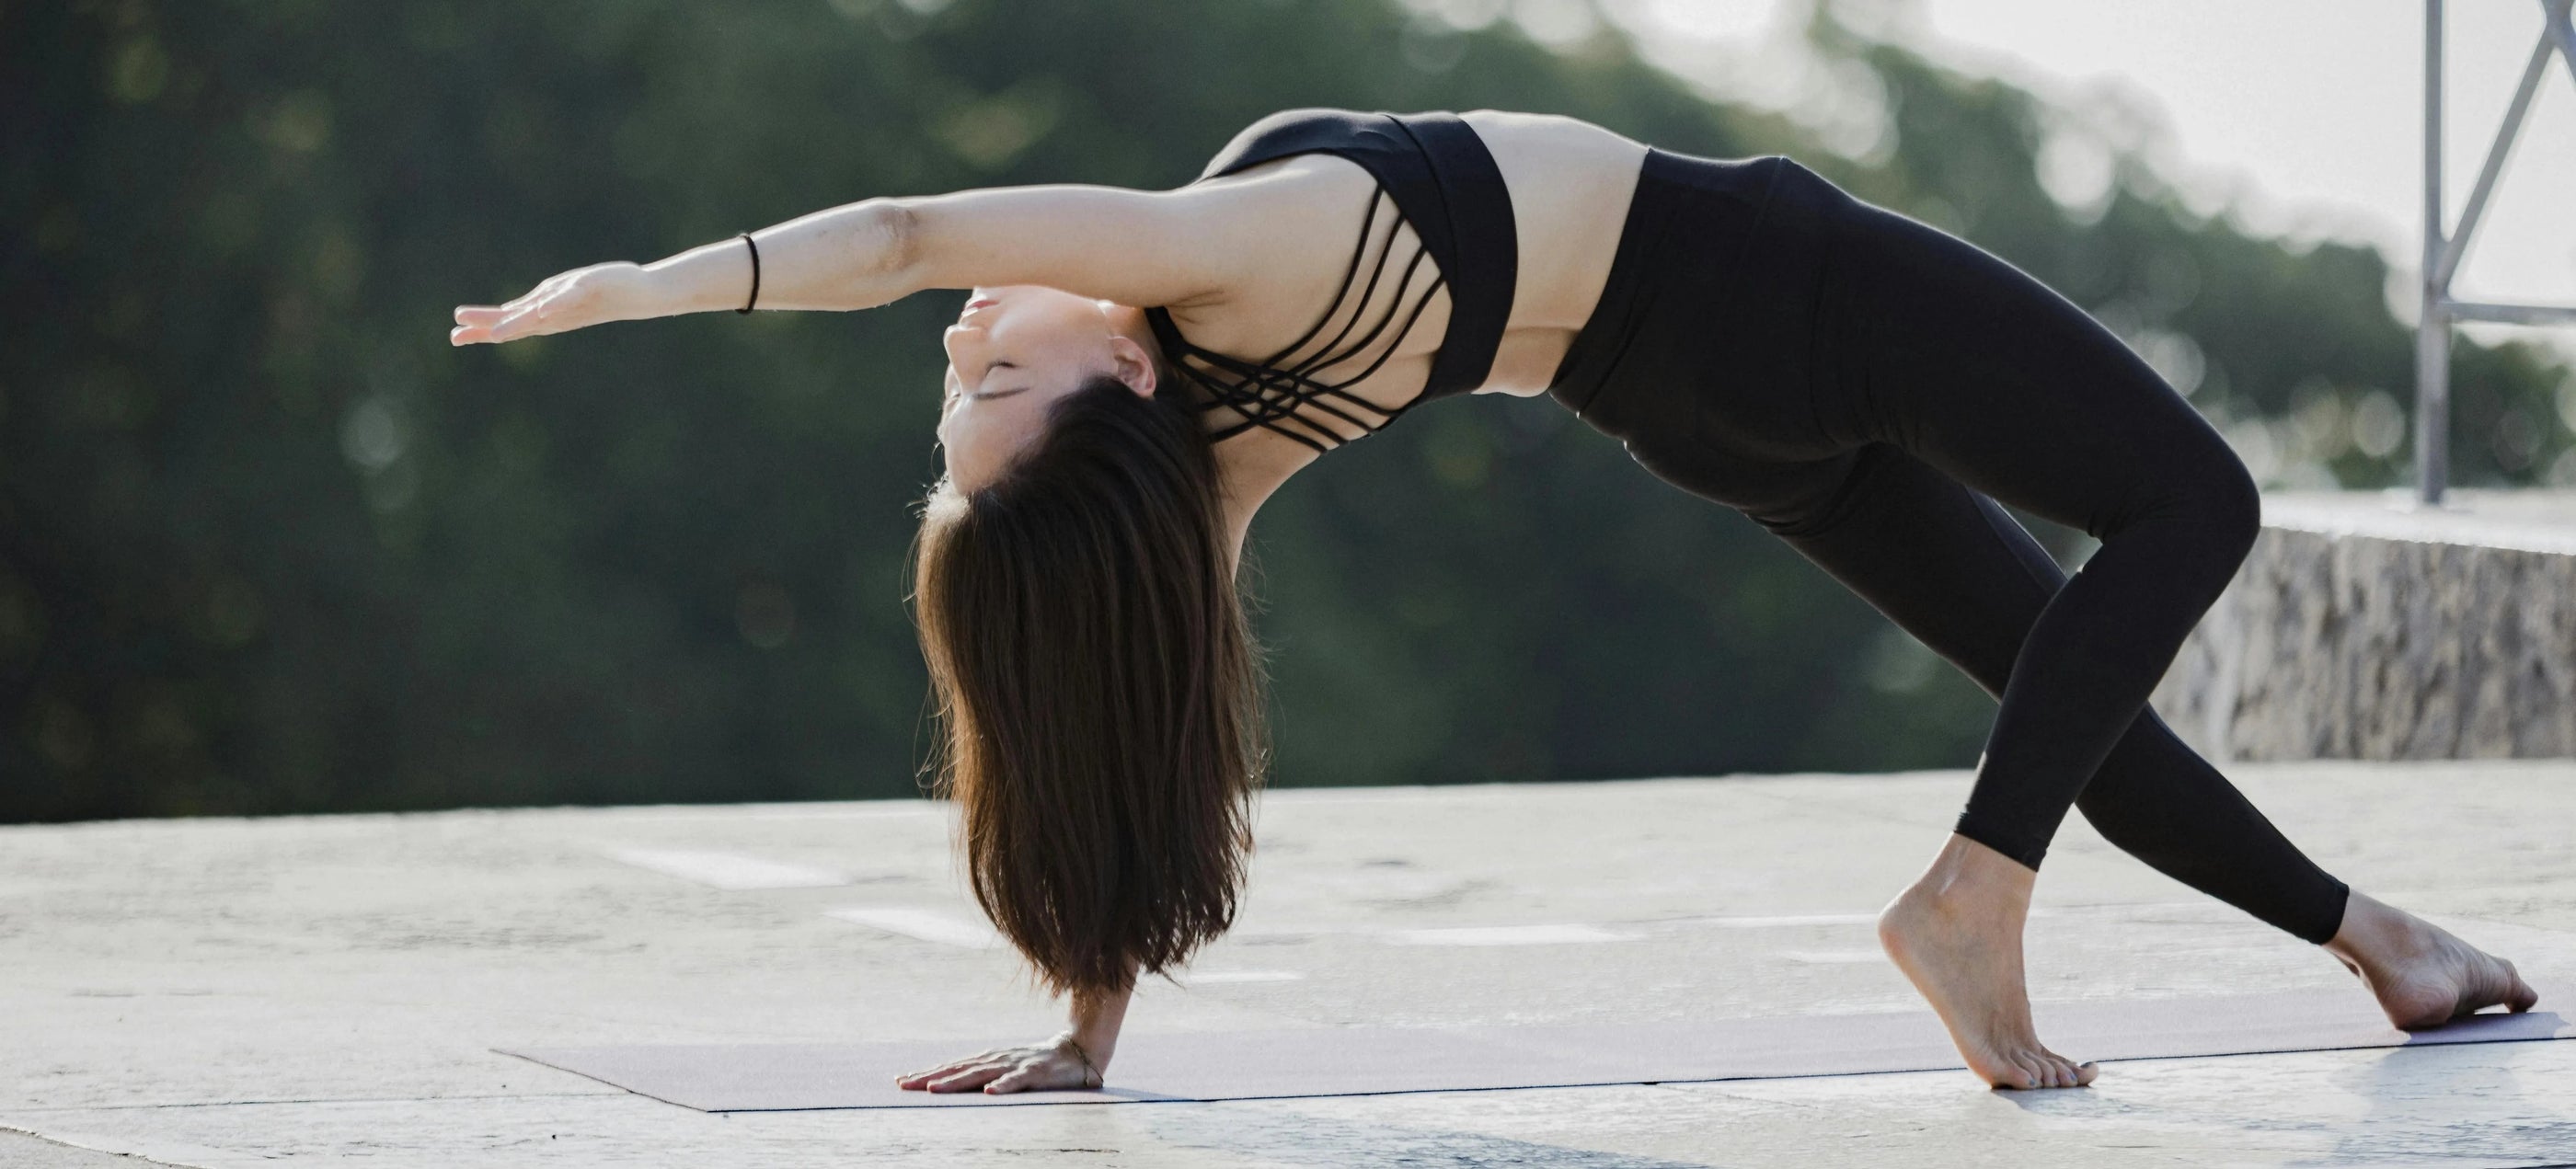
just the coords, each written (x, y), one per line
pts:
(2305, 116)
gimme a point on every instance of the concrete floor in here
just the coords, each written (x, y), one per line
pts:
(224, 992)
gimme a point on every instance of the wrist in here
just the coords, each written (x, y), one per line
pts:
(1095, 1063)
(1097, 1045)
(1096, 1019)
(707, 278)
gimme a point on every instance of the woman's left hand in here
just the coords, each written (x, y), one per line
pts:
(1057, 1064)
(565, 301)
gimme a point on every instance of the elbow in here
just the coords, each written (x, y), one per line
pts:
(897, 228)
(892, 248)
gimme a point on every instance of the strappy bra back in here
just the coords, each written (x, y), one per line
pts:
(1443, 182)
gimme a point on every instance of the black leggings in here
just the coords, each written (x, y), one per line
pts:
(1865, 387)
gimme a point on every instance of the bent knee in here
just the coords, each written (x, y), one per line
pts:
(2220, 512)
(2205, 509)
(2231, 508)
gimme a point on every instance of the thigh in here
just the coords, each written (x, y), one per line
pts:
(1943, 562)
(1936, 346)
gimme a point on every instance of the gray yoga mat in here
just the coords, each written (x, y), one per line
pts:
(1351, 1061)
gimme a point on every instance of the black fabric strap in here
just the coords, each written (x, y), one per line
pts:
(1445, 185)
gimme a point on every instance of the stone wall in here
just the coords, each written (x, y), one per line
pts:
(2363, 628)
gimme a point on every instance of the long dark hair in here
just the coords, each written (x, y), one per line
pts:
(1097, 690)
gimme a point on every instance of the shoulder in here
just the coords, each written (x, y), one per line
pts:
(1292, 131)
(1514, 125)
(1373, 138)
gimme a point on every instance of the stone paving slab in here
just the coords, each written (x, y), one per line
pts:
(223, 992)
(2535, 520)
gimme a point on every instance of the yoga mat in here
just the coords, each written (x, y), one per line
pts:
(1352, 1061)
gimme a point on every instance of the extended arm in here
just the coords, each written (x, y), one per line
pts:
(1133, 247)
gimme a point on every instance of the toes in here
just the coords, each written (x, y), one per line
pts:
(2521, 997)
(2047, 1069)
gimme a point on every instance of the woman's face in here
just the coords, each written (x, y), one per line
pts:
(1013, 352)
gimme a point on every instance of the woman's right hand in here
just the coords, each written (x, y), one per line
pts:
(1054, 1065)
(616, 291)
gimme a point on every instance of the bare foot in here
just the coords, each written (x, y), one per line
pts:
(1956, 933)
(2424, 977)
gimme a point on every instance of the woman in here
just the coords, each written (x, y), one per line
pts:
(1135, 372)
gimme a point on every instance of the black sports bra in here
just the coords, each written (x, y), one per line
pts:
(1444, 182)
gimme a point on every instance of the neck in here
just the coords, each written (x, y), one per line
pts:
(1129, 321)
(1249, 466)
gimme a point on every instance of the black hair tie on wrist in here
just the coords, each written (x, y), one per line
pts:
(755, 274)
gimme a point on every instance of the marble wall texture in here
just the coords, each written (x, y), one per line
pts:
(2362, 627)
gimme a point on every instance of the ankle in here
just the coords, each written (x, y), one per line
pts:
(1967, 873)
(2373, 931)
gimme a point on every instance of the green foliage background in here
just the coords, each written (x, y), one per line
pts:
(267, 544)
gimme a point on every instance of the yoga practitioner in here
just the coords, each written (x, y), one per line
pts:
(1135, 372)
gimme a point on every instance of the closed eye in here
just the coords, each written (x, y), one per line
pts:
(988, 373)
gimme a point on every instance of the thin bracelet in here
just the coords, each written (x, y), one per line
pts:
(1085, 1057)
(755, 274)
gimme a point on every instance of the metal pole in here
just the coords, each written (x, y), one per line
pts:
(2556, 28)
(2463, 235)
(2433, 330)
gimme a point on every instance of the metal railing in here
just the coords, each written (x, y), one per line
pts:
(2442, 255)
